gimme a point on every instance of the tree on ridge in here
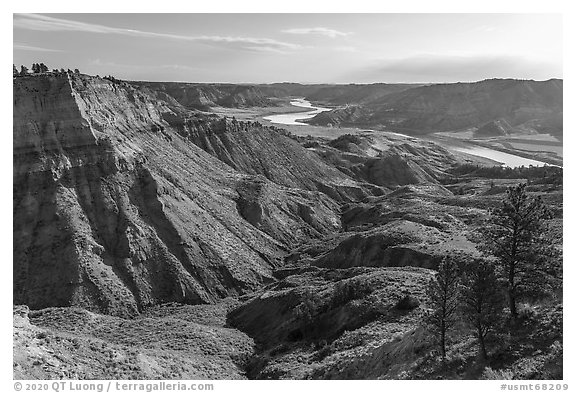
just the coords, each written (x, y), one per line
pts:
(482, 301)
(515, 235)
(443, 291)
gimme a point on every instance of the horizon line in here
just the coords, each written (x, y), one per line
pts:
(312, 83)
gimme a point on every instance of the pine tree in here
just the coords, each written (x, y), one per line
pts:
(482, 301)
(43, 67)
(23, 70)
(516, 236)
(14, 70)
(443, 291)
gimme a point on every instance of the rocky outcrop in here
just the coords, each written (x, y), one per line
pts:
(115, 210)
(410, 226)
(400, 243)
(269, 152)
(387, 163)
(355, 115)
(281, 212)
(407, 163)
(314, 318)
(317, 304)
(354, 144)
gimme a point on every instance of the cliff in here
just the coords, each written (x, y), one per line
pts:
(114, 210)
(270, 152)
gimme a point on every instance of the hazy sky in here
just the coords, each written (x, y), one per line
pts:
(309, 48)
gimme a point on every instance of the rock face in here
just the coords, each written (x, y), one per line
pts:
(387, 163)
(399, 243)
(411, 226)
(394, 168)
(254, 149)
(115, 210)
(454, 106)
(330, 303)
(315, 323)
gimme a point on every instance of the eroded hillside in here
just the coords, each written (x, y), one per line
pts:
(114, 209)
(154, 241)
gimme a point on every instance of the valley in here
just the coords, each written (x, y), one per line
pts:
(197, 231)
(298, 117)
(515, 149)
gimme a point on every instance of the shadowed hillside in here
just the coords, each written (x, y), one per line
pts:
(114, 209)
(444, 107)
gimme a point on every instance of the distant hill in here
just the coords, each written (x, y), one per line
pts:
(203, 96)
(357, 94)
(444, 107)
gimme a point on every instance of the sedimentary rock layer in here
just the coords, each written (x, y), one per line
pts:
(115, 210)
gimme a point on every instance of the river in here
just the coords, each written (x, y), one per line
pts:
(292, 118)
(506, 159)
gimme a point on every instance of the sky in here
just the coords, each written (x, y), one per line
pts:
(305, 48)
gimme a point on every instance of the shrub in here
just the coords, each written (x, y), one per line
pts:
(497, 374)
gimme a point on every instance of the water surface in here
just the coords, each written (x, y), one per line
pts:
(506, 159)
(292, 118)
